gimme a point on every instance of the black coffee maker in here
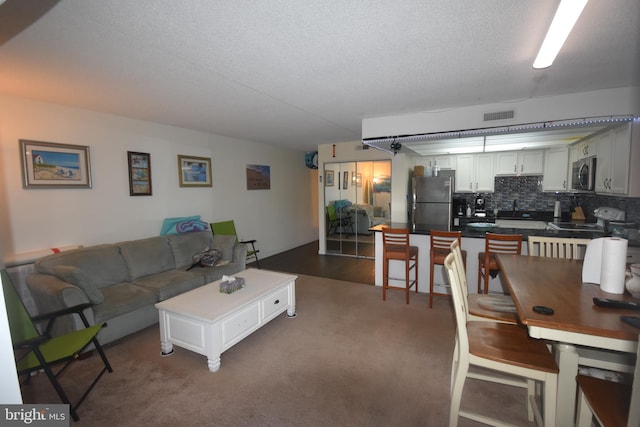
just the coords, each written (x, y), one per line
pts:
(479, 207)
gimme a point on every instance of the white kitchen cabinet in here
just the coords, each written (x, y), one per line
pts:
(587, 148)
(612, 162)
(556, 169)
(520, 163)
(475, 173)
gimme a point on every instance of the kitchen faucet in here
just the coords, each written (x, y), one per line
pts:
(515, 206)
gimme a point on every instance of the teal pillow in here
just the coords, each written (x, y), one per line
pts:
(75, 276)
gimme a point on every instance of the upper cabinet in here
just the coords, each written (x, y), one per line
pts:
(612, 162)
(475, 173)
(441, 162)
(587, 148)
(556, 169)
(520, 163)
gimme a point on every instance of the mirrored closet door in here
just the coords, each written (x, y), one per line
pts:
(357, 197)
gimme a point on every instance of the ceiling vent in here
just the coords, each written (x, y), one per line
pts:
(499, 115)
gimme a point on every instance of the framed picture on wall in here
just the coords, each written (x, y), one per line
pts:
(194, 171)
(328, 178)
(53, 165)
(258, 177)
(139, 173)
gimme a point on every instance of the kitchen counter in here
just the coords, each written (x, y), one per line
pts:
(473, 243)
(526, 232)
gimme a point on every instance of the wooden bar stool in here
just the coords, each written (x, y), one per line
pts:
(395, 246)
(440, 248)
(495, 244)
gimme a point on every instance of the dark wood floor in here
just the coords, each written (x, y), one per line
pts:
(306, 260)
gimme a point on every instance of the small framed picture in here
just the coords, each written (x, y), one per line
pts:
(139, 173)
(194, 171)
(258, 177)
(53, 165)
(329, 178)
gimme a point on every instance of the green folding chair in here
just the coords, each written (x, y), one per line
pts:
(35, 351)
(228, 228)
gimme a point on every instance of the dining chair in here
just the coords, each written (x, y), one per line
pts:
(612, 404)
(495, 244)
(557, 247)
(396, 246)
(483, 307)
(498, 348)
(439, 249)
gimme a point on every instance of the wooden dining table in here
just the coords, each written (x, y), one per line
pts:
(575, 323)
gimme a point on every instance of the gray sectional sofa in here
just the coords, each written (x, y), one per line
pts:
(123, 281)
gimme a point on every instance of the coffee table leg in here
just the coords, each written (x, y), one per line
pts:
(166, 347)
(213, 364)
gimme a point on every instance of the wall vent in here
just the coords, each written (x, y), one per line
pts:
(499, 115)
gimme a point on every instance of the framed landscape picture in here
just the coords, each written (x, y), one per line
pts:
(258, 177)
(53, 165)
(194, 171)
(139, 173)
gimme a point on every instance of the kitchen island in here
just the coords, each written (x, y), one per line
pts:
(473, 243)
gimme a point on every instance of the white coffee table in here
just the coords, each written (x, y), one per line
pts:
(209, 322)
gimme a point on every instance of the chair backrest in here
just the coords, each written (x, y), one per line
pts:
(459, 303)
(20, 324)
(442, 239)
(459, 263)
(395, 240)
(224, 228)
(331, 212)
(555, 247)
(503, 243)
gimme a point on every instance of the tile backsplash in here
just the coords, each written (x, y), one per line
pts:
(527, 191)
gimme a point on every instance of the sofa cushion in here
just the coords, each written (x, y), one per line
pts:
(147, 256)
(77, 277)
(225, 245)
(184, 246)
(170, 283)
(102, 265)
(122, 298)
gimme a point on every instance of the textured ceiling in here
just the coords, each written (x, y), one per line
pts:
(300, 73)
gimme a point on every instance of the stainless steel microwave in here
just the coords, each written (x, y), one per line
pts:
(583, 174)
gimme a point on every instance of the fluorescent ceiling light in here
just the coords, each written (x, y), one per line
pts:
(562, 24)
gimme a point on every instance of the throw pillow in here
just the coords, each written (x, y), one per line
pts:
(170, 223)
(206, 258)
(76, 276)
(224, 244)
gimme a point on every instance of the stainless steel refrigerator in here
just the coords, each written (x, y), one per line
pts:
(431, 202)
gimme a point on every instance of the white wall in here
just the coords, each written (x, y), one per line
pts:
(32, 219)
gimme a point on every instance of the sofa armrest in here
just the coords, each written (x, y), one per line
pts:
(51, 294)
